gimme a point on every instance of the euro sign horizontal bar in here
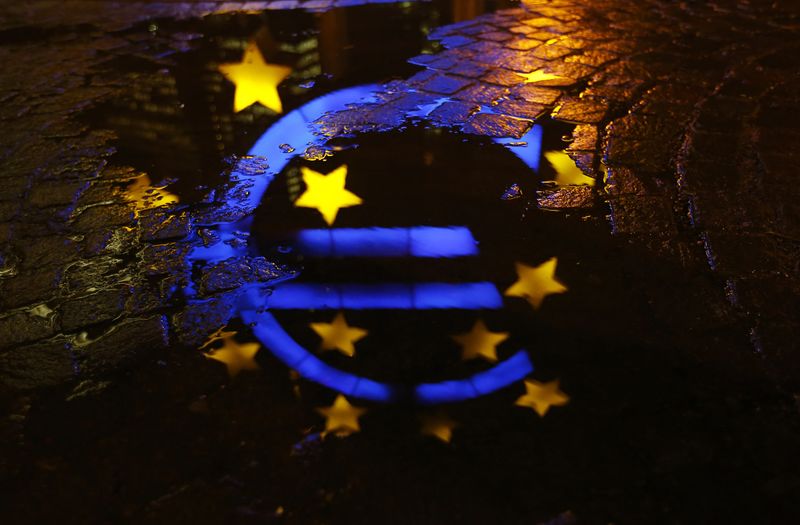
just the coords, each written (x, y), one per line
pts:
(387, 296)
(418, 241)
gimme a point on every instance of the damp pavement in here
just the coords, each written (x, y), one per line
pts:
(425, 262)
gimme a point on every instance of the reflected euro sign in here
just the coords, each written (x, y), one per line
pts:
(414, 242)
(257, 308)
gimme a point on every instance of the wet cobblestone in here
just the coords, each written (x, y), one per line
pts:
(643, 110)
(650, 124)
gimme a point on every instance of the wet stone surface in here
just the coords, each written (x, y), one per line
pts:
(425, 262)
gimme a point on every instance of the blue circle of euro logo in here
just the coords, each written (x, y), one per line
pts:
(257, 308)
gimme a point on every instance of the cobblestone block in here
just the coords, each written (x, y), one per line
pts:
(163, 259)
(503, 77)
(26, 326)
(88, 275)
(584, 138)
(623, 181)
(98, 307)
(113, 350)
(56, 194)
(570, 197)
(99, 217)
(199, 319)
(453, 113)
(523, 44)
(493, 125)
(633, 214)
(36, 366)
(581, 110)
(536, 94)
(48, 251)
(521, 109)
(160, 224)
(29, 287)
(9, 210)
(13, 188)
(445, 85)
(237, 271)
(481, 94)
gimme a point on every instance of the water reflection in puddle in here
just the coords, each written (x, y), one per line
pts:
(420, 194)
(417, 264)
(421, 247)
(241, 72)
(407, 242)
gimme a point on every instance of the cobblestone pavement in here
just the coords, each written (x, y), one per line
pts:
(687, 116)
(674, 119)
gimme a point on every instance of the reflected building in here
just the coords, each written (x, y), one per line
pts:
(184, 105)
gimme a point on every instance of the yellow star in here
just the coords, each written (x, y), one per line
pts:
(480, 342)
(326, 193)
(534, 283)
(219, 335)
(337, 335)
(567, 172)
(236, 356)
(341, 418)
(439, 426)
(542, 396)
(145, 196)
(255, 80)
(538, 76)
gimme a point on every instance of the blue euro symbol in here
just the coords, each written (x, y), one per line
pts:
(256, 308)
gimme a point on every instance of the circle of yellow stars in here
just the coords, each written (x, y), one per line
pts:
(327, 194)
(534, 283)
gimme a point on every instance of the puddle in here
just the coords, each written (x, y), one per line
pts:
(413, 229)
(315, 226)
(410, 236)
(363, 222)
(180, 121)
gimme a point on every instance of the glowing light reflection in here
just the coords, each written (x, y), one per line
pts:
(419, 241)
(513, 369)
(144, 195)
(296, 129)
(531, 152)
(326, 193)
(270, 332)
(255, 80)
(385, 296)
(567, 172)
